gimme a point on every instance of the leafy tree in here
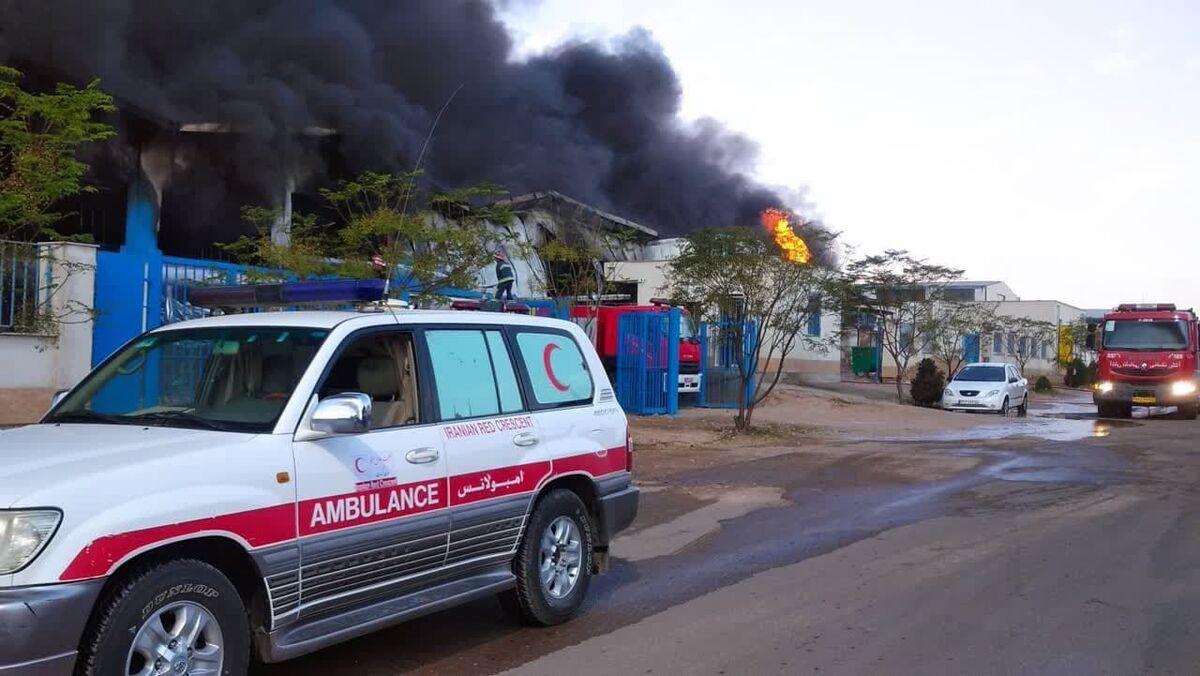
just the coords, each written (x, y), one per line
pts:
(904, 293)
(737, 274)
(40, 134)
(306, 255)
(424, 243)
(927, 384)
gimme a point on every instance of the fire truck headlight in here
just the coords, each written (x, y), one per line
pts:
(1104, 387)
(1183, 388)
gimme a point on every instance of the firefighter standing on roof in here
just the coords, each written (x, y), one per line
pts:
(505, 277)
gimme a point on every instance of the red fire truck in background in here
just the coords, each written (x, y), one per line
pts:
(601, 325)
(1147, 357)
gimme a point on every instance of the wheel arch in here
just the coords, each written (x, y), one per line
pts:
(584, 486)
(224, 553)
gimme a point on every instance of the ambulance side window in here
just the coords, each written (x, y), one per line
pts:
(473, 374)
(557, 371)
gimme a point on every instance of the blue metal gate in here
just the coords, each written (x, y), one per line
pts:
(648, 362)
(722, 345)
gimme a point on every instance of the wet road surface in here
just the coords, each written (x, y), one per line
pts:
(1056, 544)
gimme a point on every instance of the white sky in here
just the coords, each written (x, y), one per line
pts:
(1052, 144)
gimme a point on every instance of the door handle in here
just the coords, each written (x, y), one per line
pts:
(421, 456)
(525, 439)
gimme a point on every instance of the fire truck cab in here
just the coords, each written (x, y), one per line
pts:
(1147, 357)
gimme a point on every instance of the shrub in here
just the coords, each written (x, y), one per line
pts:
(1076, 375)
(927, 384)
(1042, 384)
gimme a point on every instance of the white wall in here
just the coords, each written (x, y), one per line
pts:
(35, 366)
(650, 276)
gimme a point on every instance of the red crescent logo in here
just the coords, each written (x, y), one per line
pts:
(554, 381)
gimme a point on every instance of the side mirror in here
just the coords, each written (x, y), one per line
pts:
(348, 413)
(58, 397)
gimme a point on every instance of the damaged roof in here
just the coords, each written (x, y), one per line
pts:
(554, 197)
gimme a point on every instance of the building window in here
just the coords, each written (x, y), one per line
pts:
(998, 343)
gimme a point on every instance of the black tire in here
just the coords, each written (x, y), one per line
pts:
(1004, 407)
(1023, 409)
(1188, 411)
(125, 608)
(530, 602)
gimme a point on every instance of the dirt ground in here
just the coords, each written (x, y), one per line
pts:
(815, 422)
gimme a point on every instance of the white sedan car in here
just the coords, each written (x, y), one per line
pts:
(987, 386)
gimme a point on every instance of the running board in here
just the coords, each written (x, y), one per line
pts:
(305, 637)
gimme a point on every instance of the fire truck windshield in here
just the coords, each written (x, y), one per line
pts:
(1147, 335)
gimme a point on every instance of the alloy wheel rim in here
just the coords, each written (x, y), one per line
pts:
(560, 557)
(179, 639)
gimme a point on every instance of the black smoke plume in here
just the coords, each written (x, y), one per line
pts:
(599, 122)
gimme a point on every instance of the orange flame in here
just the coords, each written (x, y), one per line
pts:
(794, 249)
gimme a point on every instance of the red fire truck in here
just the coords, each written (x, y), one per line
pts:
(601, 325)
(1147, 357)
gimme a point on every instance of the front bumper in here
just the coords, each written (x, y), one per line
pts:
(1140, 394)
(957, 403)
(40, 627)
(689, 382)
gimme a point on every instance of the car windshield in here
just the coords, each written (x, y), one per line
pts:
(687, 330)
(981, 374)
(228, 379)
(1142, 334)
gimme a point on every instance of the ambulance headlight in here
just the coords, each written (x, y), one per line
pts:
(1104, 387)
(1182, 388)
(23, 534)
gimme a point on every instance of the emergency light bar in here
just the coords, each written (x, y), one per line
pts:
(490, 306)
(1146, 307)
(289, 293)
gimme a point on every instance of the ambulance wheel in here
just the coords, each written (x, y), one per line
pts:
(176, 617)
(1188, 411)
(554, 562)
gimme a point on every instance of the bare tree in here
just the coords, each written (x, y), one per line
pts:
(1024, 335)
(904, 293)
(735, 273)
(955, 321)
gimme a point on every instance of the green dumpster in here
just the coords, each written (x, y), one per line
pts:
(862, 360)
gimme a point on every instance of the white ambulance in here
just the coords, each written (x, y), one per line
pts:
(264, 485)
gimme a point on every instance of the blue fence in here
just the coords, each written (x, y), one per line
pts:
(722, 346)
(648, 362)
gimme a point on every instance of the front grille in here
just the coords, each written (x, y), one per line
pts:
(1149, 372)
(969, 393)
(689, 368)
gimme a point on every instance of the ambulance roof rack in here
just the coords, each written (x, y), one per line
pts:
(323, 292)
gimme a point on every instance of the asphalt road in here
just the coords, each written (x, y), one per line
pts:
(1071, 546)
